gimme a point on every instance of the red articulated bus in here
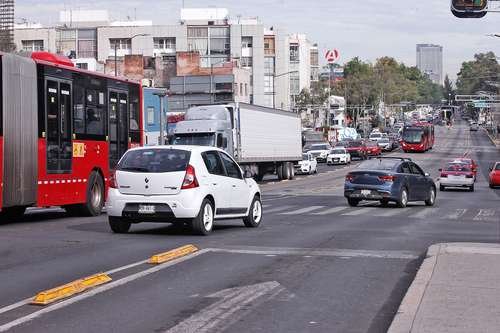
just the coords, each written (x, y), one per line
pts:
(418, 137)
(62, 130)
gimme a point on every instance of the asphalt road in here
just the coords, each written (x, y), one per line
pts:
(315, 265)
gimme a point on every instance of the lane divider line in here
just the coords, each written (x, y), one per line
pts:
(49, 296)
(172, 254)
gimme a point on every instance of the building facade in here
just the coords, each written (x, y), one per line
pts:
(280, 65)
(430, 61)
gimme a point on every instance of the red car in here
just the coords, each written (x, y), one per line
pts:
(470, 162)
(357, 148)
(495, 175)
(373, 149)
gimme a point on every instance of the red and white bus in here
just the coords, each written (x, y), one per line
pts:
(418, 137)
(62, 130)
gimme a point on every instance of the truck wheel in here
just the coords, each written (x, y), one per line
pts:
(292, 171)
(279, 171)
(118, 225)
(95, 196)
(286, 171)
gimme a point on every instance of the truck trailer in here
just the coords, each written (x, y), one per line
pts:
(262, 140)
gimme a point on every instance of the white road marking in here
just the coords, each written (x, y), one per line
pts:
(331, 211)
(360, 211)
(393, 211)
(277, 209)
(96, 291)
(423, 213)
(380, 254)
(303, 210)
(233, 301)
(485, 215)
(458, 213)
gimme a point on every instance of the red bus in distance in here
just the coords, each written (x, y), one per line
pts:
(418, 137)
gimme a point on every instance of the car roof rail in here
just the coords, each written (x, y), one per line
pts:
(392, 158)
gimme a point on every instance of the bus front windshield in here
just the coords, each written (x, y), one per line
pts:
(195, 139)
(413, 136)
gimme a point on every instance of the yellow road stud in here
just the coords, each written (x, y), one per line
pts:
(49, 296)
(172, 254)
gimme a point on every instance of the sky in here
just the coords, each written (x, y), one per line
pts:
(368, 29)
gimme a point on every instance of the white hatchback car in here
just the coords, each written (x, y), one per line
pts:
(308, 165)
(181, 184)
(338, 156)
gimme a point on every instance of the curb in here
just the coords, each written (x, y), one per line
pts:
(407, 312)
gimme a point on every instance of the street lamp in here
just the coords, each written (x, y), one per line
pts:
(274, 84)
(116, 47)
(161, 95)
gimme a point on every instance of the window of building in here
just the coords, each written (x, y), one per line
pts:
(165, 43)
(149, 62)
(246, 61)
(32, 45)
(314, 57)
(294, 53)
(151, 115)
(269, 48)
(210, 42)
(121, 43)
(227, 86)
(269, 65)
(268, 84)
(246, 42)
(82, 65)
(294, 84)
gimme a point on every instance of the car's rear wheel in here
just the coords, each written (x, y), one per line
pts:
(204, 222)
(353, 202)
(254, 217)
(403, 198)
(118, 225)
(441, 188)
(432, 197)
(492, 186)
(471, 188)
(384, 202)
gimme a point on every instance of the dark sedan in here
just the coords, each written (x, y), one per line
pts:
(388, 179)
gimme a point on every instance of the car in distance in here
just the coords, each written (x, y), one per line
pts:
(357, 148)
(474, 127)
(373, 149)
(386, 144)
(375, 136)
(495, 175)
(457, 174)
(308, 165)
(389, 179)
(470, 162)
(181, 184)
(319, 151)
(338, 156)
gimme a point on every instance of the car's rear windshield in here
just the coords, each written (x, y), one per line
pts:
(384, 140)
(319, 147)
(376, 135)
(155, 160)
(379, 164)
(458, 167)
(355, 144)
(371, 144)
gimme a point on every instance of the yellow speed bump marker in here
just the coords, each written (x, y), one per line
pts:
(69, 289)
(172, 254)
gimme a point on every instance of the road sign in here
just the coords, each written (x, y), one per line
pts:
(480, 104)
(332, 56)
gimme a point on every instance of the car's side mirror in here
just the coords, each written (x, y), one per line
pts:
(247, 174)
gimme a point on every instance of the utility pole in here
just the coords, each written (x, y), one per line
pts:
(161, 95)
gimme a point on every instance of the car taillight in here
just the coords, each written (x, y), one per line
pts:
(112, 179)
(349, 178)
(444, 175)
(190, 180)
(387, 178)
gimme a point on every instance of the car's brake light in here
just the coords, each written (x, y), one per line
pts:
(190, 180)
(112, 179)
(387, 178)
(349, 178)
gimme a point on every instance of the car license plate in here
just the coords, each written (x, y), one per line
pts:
(366, 193)
(147, 209)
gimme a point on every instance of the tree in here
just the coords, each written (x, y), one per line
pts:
(448, 90)
(475, 75)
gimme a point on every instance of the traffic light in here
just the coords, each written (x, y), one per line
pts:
(469, 8)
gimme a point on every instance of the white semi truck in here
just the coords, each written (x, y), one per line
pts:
(262, 140)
